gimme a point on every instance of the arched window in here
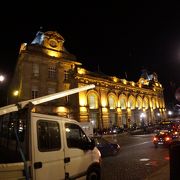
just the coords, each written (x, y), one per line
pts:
(160, 103)
(112, 102)
(131, 102)
(145, 103)
(122, 101)
(139, 102)
(93, 101)
(157, 103)
(153, 103)
(35, 69)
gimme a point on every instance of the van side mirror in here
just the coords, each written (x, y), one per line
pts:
(92, 143)
(88, 145)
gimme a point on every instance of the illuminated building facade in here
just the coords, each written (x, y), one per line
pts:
(45, 66)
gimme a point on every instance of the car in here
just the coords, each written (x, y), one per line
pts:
(106, 147)
(163, 138)
(175, 134)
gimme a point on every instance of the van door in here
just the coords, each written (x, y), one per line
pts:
(78, 160)
(47, 148)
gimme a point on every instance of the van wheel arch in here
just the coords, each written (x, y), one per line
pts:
(94, 172)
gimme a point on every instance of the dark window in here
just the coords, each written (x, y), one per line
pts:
(48, 135)
(75, 136)
(35, 69)
(51, 72)
(34, 94)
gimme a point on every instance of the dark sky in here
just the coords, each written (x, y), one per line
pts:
(117, 38)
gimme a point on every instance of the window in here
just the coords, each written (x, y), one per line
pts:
(123, 103)
(35, 69)
(10, 124)
(112, 102)
(153, 103)
(93, 101)
(75, 136)
(35, 92)
(13, 130)
(139, 102)
(48, 134)
(51, 90)
(145, 103)
(52, 72)
(131, 102)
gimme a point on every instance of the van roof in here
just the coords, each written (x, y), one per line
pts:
(52, 117)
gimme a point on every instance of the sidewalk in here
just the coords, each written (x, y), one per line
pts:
(162, 174)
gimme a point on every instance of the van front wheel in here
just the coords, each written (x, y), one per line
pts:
(94, 174)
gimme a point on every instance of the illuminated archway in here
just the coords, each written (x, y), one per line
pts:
(112, 100)
(145, 103)
(123, 101)
(139, 102)
(131, 102)
(163, 103)
(157, 103)
(153, 103)
(93, 103)
(160, 103)
(92, 97)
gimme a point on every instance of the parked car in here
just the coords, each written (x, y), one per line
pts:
(163, 138)
(175, 134)
(106, 147)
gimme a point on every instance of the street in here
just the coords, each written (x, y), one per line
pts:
(137, 159)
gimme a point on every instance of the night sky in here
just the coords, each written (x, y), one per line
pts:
(115, 39)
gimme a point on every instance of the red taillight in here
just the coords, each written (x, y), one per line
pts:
(155, 139)
(167, 139)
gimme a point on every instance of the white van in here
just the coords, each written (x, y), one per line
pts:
(45, 147)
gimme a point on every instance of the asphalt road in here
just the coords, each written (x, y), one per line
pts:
(137, 159)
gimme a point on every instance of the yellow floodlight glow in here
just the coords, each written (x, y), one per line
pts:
(133, 83)
(115, 79)
(124, 81)
(83, 109)
(119, 109)
(82, 99)
(103, 102)
(16, 93)
(104, 110)
(61, 109)
(128, 109)
(81, 71)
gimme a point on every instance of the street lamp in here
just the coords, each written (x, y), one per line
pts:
(142, 119)
(170, 113)
(2, 78)
(142, 115)
(16, 94)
